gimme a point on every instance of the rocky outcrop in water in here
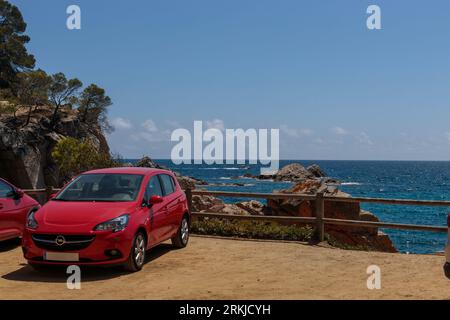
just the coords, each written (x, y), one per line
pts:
(147, 162)
(25, 151)
(295, 172)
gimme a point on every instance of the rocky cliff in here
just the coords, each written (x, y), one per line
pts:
(25, 151)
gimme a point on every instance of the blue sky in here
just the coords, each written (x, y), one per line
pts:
(334, 88)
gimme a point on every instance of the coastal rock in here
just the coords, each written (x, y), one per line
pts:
(189, 182)
(233, 209)
(215, 205)
(147, 162)
(293, 172)
(205, 203)
(316, 171)
(355, 236)
(25, 151)
(253, 207)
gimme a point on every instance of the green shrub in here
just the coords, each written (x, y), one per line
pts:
(335, 243)
(75, 156)
(251, 229)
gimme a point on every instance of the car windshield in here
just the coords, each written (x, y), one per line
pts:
(102, 187)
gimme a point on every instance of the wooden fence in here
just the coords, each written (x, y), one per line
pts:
(318, 220)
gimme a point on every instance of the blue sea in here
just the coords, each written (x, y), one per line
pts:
(425, 180)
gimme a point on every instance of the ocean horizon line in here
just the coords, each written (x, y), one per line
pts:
(305, 160)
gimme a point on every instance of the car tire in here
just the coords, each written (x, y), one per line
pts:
(136, 259)
(447, 270)
(181, 239)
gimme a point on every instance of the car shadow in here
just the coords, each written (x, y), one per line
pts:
(8, 245)
(57, 274)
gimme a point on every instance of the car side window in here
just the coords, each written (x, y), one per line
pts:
(168, 184)
(153, 188)
(5, 189)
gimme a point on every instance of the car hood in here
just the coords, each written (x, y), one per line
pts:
(80, 214)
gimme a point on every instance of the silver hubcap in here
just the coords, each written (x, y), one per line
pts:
(139, 250)
(184, 231)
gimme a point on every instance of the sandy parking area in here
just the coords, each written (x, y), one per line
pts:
(212, 268)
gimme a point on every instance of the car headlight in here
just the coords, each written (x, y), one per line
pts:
(31, 221)
(113, 225)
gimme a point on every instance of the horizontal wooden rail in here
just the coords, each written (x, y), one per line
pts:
(302, 196)
(328, 221)
(39, 191)
(282, 219)
(296, 196)
(407, 202)
(386, 225)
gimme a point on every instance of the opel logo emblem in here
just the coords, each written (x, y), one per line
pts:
(60, 240)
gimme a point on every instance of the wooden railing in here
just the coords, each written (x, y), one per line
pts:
(318, 220)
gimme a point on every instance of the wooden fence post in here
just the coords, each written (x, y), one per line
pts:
(48, 192)
(189, 199)
(320, 227)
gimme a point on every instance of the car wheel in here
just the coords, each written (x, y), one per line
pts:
(136, 259)
(180, 240)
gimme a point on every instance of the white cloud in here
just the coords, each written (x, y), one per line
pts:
(447, 135)
(150, 126)
(294, 132)
(159, 136)
(364, 138)
(339, 131)
(173, 123)
(215, 124)
(121, 123)
(319, 141)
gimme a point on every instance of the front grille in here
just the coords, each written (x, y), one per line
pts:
(70, 242)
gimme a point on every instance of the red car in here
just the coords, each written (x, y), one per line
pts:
(14, 208)
(108, 216)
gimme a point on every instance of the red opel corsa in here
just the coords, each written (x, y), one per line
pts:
(15, 205)
(108, 216)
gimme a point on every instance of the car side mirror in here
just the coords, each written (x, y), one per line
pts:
(155, 199)
(52, 196)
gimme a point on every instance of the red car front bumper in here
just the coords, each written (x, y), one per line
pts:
(105, 247)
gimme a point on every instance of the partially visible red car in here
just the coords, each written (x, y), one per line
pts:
(15, 206)
(108, 216)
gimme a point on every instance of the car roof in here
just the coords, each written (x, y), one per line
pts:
(128, 170)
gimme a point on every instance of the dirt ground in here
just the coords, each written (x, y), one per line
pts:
(213, 268)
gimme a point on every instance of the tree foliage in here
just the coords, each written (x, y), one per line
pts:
(62, 91)
(32, 90)
(14, 56)
(93, 104)
(74, 156)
